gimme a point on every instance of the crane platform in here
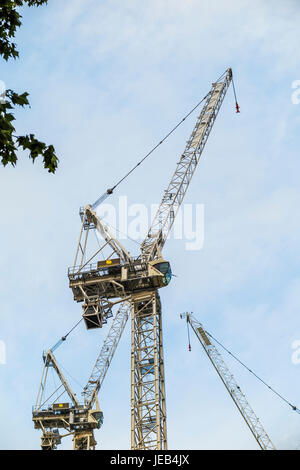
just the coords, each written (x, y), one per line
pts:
(95, 284)
(113, 278)
(64, 415)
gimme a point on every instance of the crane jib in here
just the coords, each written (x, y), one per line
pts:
(174, 195)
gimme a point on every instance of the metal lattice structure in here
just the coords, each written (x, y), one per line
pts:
(174, 195)
(106, 354)
(119, 277)
(76, 419)
(84, 441)
(49, 414)
(231, 385)
(148, 402)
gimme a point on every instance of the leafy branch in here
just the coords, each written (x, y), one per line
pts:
(10, 21)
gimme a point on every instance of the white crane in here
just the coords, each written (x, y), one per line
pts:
(120, 277)
(232, 387)
(77, 419)
(49, 414)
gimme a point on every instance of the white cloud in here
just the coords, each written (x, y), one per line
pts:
(158, 31)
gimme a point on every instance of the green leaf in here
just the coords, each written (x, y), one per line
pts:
(10, 21)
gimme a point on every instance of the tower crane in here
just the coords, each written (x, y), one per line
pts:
(76, 419)
(100, 284)
(232, 387)
(49, 415)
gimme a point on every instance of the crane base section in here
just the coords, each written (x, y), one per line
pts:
(50, 440)
(84, 441)
(148, 409)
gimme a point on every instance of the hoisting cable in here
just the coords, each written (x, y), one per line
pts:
(236, 102)
(68, 373)
(111, 190)
(122, 233)
(63, 338)
(294, 408)
(188, 332)
(54, 383)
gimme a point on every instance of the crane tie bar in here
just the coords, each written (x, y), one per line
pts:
(111, 190)
(63, 338)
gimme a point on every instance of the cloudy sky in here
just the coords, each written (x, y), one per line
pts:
(107, 80)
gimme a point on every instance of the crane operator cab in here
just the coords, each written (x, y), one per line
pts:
(162, 268)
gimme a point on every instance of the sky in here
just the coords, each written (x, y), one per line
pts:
(107, 80)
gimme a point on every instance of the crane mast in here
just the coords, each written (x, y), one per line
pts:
(232, 387)
(148, 400)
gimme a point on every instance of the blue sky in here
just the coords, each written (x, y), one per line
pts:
(107, 80)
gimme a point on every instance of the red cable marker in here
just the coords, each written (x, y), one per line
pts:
(188, 332)
(236, 103)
